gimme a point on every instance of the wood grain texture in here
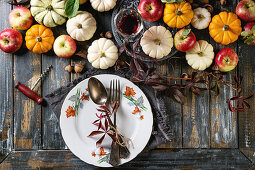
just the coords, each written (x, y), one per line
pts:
(173, 108)
(196, 132)
(27, 114)
(247, 119)
(6, 92)
(223, 121)
(183, 159)
(51, 134)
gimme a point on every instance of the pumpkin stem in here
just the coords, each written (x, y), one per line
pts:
(49, 8)
(157, 41)
(178, 12)
(79, 26)
(200, 16)
(38, 39)
(102, 54)
(225, 28)
(201, 54)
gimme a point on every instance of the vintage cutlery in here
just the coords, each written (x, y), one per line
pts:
(29, 92)
(114, 98)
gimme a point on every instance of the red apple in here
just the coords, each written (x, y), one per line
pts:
(246, 10)
(151, 10)
(64, 46)
(20, 18)
(184, 40)
(10, 40)
(226, 59)
(249, 33)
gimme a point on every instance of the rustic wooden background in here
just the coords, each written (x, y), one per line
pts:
(206, 133)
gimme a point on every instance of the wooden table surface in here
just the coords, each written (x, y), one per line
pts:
(206, 133)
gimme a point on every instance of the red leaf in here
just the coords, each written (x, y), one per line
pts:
(248, 97)
(81, 54)
(99, 142)
(95, 121)
(115, 107)
(106, 124)
(105, 108)
(99, 125)
(112, 136)
(148, 57)
(95, 133)
(135, 45)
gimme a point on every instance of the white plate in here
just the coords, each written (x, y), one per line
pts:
(75, 129)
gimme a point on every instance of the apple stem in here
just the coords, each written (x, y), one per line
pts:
(225, 28)
(6, 41)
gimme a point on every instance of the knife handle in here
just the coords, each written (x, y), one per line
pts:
(29, 93)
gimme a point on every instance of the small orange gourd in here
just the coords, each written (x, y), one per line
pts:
(178, 15)
(225, 28)
(39, 39)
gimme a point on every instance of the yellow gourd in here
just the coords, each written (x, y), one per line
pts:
(225, 28)
(178, 15)
(39, 39)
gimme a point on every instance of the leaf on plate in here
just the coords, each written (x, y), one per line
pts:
(73, 98)
(99, 142)
(95, 133)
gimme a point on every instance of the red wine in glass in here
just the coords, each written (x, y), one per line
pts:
(129, 24)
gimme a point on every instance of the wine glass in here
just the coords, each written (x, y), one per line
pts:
(129, 24)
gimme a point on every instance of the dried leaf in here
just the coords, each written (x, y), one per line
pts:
(95, 133)
(81, 54)
(106, 124)
(99, 142)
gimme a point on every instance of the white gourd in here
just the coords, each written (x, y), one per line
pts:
(157, 42)
(81, 27)
(201, 56)
(50, 13)
(102, 53)
(103, 5)
(201, 19)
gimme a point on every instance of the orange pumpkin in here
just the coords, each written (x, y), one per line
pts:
(225, 28)
(39, 39)
(178, 15)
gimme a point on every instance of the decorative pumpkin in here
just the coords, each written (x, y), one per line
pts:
(225, 28)
(178, 15)
(81, 27)
(201, 56)
(102, 53)
(103, 5)
(50, 13)
(157, 42)
(201, 19)
(39, 39)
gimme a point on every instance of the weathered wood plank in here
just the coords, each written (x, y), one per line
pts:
(247, 119)
(51, 134)
(173, 108)
(27, 114)
(183, 159)
(6, 92)
(223, 122)
(196, 110)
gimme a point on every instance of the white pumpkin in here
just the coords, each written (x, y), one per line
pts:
(157, 42)
(201, 19)
(81, 27)
(201, 56)
(102, 53)
(103, 5)
(50, 13)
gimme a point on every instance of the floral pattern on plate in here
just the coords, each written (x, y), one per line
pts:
(77, 100)
(130, 94)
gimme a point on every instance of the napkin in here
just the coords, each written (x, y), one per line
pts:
(161, 132)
